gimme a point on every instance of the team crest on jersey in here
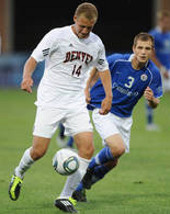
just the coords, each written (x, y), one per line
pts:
(143, 77)
(101, 61)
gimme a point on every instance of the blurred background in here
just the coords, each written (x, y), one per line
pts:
(24, 23)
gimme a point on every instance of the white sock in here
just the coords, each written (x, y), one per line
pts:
(25, 163)
(74, 179)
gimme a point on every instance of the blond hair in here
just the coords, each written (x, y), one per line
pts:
(87, 9)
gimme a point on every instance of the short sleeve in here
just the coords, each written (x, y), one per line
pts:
(43, 48)
(101, 63)
(156, 84)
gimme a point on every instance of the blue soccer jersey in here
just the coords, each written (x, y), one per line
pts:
(162, 46)
(128, 85)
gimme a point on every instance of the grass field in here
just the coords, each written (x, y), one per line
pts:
(139, 185)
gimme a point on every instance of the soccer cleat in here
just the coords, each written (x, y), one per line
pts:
(80, 196)
(14, 187)
(66, 205)
(87, 179)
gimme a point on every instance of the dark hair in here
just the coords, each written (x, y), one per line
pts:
(88, 10)
(143, 37)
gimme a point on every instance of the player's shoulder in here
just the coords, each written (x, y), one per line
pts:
(155, 31)
(119, 58)
(95, 39)
(153, 68)
(58, 31)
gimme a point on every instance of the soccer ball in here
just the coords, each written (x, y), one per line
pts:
(65, 161)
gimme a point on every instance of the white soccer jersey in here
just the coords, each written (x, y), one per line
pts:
(67, 60)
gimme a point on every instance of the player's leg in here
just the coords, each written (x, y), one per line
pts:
(99, 172)
(110, 153)
(85, 151)
(83, 138)
(150, 126)
(32, 154)
(108, 126)
(114, 145)
(43, 131)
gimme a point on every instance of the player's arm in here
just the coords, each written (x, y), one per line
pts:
(149, 96)
(90, 82)
(107, 84)
(162, 68)
(27, 81)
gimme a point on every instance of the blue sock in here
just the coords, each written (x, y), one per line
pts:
(61, 130)
(99, 173)
(149, 114)
(102, 157)
(70, 142)
(80, 186)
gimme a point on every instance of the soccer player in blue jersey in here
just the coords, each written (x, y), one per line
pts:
(133, 76)
(161, 57)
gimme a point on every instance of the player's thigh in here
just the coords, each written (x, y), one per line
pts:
(46, 121)
(79, 126)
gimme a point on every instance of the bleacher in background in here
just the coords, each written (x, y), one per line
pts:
(11, 70)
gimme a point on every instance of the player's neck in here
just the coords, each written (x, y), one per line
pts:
(136, 64)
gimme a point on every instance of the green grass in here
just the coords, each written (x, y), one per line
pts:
(140, 184)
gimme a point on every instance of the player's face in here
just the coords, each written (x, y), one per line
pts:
(143, 51)
(164, 24)
(83, 26)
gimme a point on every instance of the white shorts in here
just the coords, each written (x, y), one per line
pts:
(110, 124)
(75, 120)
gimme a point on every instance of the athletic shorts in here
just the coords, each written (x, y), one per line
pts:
(110, 124)
(75, 120)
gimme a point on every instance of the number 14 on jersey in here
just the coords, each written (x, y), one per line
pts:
(76, 70)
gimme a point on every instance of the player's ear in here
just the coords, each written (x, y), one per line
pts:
(133, 48)
(74, 18)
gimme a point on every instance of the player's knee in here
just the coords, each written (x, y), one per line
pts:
(117, 149)
(86, 151)
(116, 145)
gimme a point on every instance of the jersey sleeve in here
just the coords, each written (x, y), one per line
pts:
(156, 84)
(101, 63)
(43, 48)
(114, 57)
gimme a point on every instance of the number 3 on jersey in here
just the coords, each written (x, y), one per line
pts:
(76, 70)
(130, 82)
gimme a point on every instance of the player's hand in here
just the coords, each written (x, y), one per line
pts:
(106, 105)
(27, 84)
(87, 95)
(148, 94)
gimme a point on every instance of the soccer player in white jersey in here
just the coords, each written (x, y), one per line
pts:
(133, 75)
(68, 52)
